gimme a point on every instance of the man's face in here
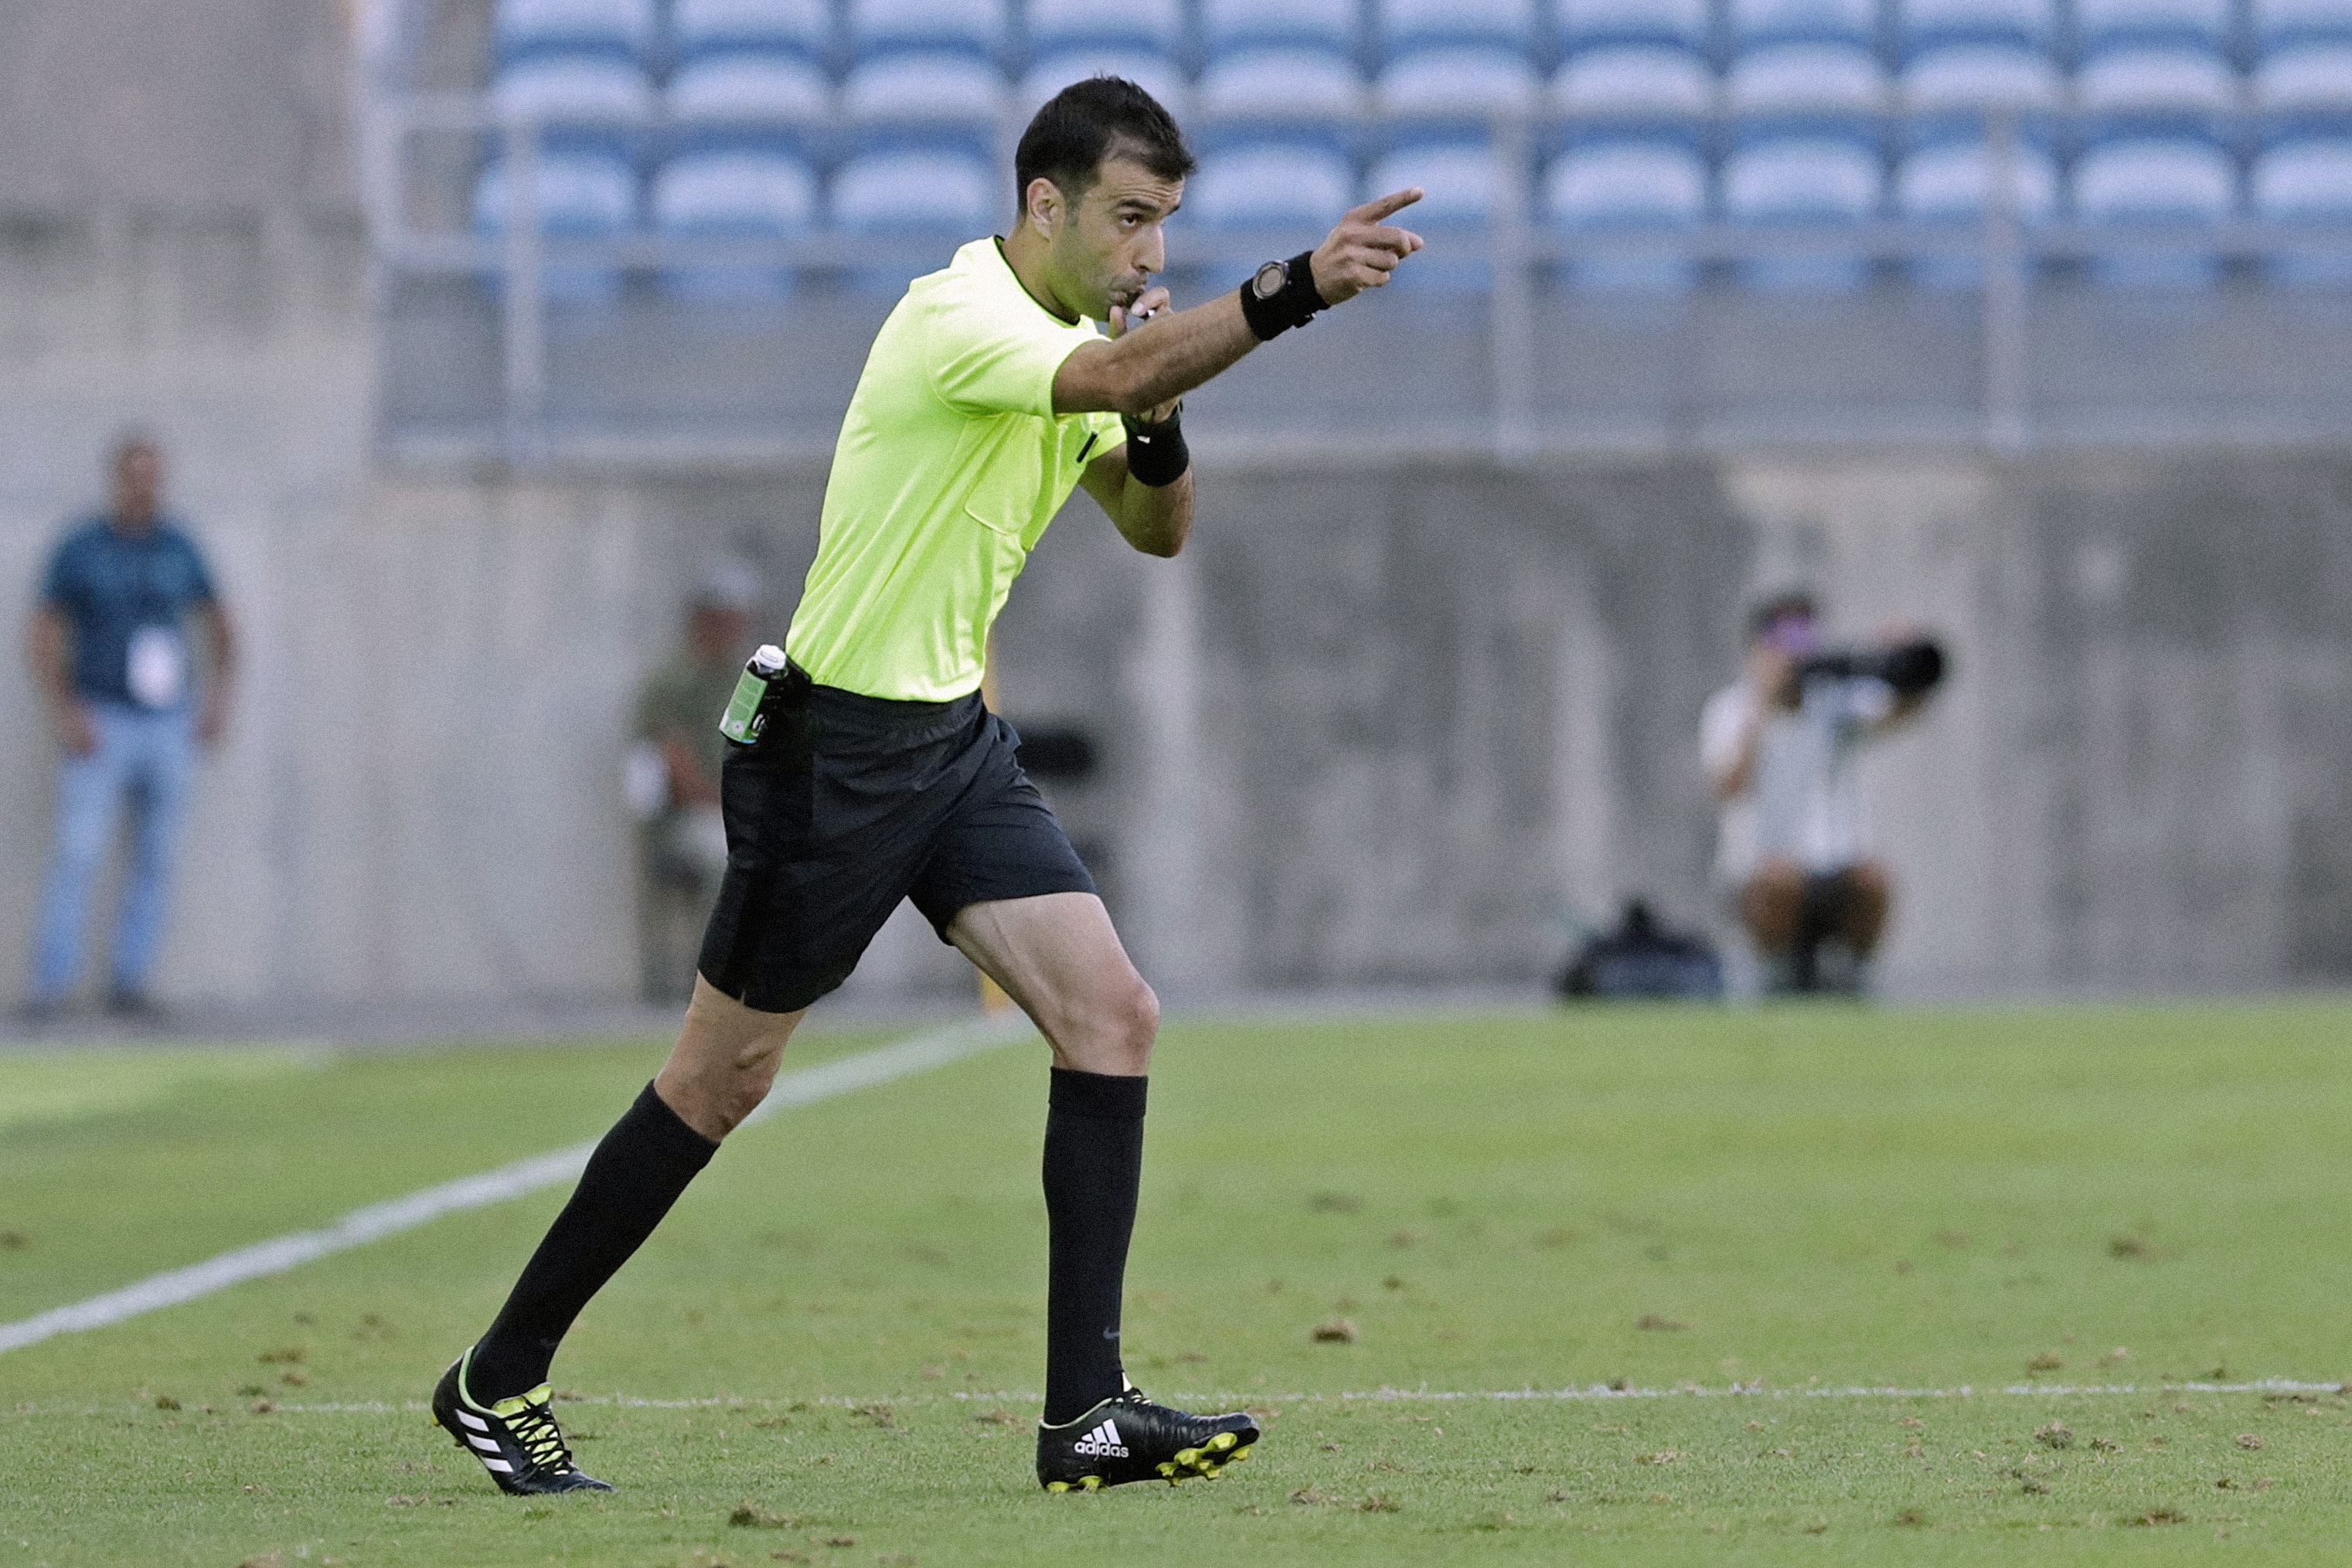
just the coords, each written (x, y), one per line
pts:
(138, 483)
(1105, 247)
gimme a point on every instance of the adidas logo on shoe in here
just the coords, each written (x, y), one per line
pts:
(1102, 1443)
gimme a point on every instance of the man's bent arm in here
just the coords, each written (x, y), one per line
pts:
(1154, 519)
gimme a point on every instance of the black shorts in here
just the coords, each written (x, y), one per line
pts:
(847, 804)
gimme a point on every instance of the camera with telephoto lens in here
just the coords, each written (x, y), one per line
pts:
(1910, 668)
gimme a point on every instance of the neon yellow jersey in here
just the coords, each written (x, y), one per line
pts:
(952, 461)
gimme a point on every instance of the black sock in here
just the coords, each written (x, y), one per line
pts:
(635, 1174)
(1094, 1162)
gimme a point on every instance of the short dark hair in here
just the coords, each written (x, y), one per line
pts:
(1787, 605)
(1089, 120)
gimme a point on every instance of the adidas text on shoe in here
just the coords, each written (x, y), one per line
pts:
(515, 1440)
(1130, 1438)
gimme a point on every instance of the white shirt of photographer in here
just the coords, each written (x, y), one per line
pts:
(1803, 801)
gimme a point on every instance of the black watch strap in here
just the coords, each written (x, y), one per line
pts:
(1281, 296)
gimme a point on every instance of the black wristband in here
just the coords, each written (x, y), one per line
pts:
(1292, 304)
(1156, 454)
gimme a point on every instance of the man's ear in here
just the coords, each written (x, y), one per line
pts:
(1043, 207)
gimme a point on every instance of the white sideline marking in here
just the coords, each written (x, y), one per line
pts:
(378, 1220)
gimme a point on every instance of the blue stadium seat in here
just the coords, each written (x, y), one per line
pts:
(1952, 183)
(739, 194)
(883, 27)
(572, 89)
(1806, 78)
(1473, 79)
(522, 27)
(1627, 187)
(2107, 24)
(2281, 24)
(1292, 188)
(926, 199)
(2157, 76)
(923, 84)
(1938, 24)
(1828, 182)
(1333, 25)
(1977, 76)
(1287, 82)
(1409, 25)
(1755, 22)
(2173, 180)
(1152, 24)
(800, 27)
(1460, 182)
(2305, 182)
(580, 195)
(1661, 79)
(750, 84)
(1156, 73)
(1602, 23)
(2305, 76)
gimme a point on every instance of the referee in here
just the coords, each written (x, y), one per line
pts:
(878, 773)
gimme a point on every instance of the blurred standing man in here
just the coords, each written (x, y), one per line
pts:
(880, 774)
(111, 650)
(1792, 842)
(674, 778)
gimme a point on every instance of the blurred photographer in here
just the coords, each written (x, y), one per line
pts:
(1780, 744)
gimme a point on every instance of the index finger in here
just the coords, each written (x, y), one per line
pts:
(1378, 207)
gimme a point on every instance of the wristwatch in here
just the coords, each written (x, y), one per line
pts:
(1270, 280)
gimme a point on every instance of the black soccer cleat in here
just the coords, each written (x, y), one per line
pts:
(1130, 1438)
(515, 1440)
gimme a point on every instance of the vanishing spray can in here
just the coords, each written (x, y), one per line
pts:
(743, 720)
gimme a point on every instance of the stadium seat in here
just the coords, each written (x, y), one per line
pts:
(580, 195)
(522, 27)
(1785, 181)
(1755, 22)
(1939, 23)
(1635, 78)
(1604, 23)
(1330, 24)
(2154, 180)
(572, 89)
(2158, 77)
(930, 199)
(1977, 76)
(1462, 182)
(923, 84)
(2314, 75)
(1627, 188)
(1458, 80)
(1154, 72)
(1407, 26)
(1153, 24)
(746, 194)
(2107, 24)
(801, 27)
(2281, 24)
(883, 27)
(749, 84)
(1952, 184)
(2308, 180)
(1280, 83)
(1805, 78)
(1286, 192)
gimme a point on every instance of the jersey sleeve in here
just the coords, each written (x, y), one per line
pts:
(984, 360)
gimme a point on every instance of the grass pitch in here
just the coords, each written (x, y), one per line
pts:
(1366, 1228)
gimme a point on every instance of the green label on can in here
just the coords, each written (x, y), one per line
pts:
(741, 721)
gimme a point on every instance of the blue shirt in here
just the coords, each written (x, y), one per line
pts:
(127, 597)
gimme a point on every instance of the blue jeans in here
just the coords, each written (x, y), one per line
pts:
(142, 758)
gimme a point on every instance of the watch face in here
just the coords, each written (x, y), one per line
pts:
(1270, 280)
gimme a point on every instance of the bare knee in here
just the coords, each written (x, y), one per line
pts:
(724, 1063)
(1873, 897)
(1111, 1031)
(1772, 905)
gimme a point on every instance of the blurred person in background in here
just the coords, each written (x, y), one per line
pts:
(1792, 838)
(112, 653)
(673, 777)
